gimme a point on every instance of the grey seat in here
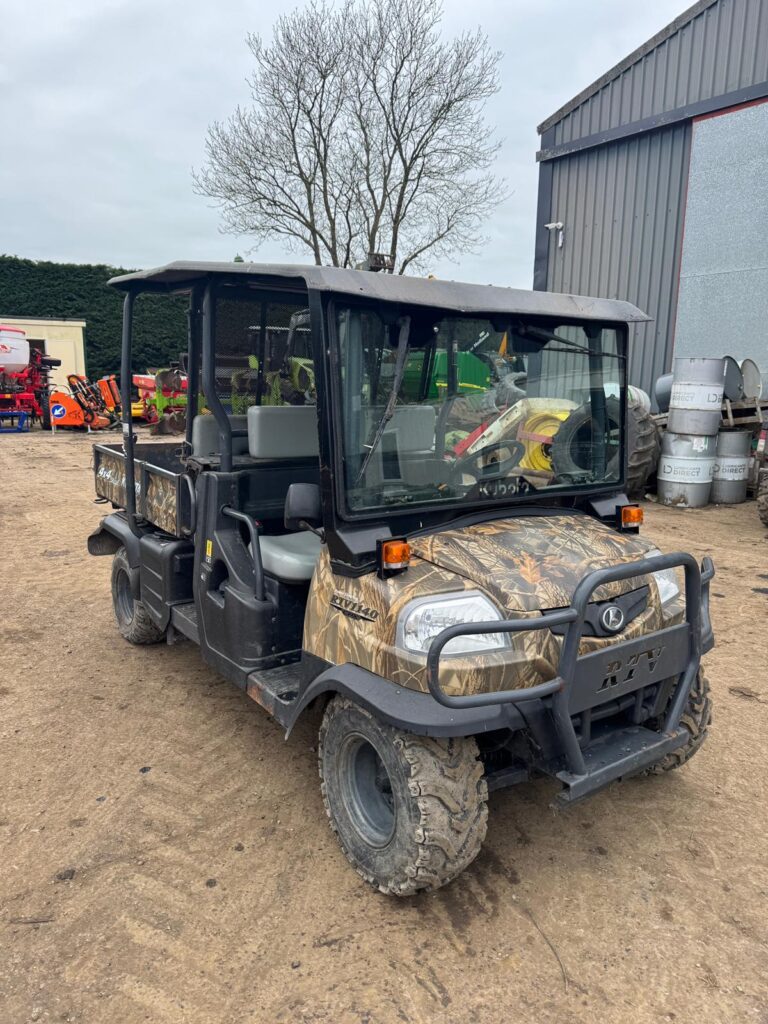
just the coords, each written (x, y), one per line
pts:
(205, 436)
(286, 432)
(282, 432)
(291, 557)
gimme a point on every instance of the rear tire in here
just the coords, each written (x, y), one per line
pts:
(643, 448)
(572, 445)
(133, 619)
(697, 718)
(410, 812)
(762, 497)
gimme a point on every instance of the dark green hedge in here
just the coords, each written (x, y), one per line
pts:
(31, 288)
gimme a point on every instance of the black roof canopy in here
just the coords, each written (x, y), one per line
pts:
(450, 295)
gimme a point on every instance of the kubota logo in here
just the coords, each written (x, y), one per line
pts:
(612, 618)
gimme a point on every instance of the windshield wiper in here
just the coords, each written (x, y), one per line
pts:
(570, 346)
(389, 410)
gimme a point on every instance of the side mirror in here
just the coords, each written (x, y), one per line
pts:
(302, 508)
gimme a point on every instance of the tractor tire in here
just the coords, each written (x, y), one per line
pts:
(572, 447)
(572, 444)
(697, 718)
(45, 405)
(643, 448)
(762, 498)
(133, 619)
(410, 812)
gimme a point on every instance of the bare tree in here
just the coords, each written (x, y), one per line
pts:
(366, 134)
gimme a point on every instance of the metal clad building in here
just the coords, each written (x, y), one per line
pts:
(658, 174)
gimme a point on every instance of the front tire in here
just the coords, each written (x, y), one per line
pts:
(410, 812)
(697, 718)
(133, 619)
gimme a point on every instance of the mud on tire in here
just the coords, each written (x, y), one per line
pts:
(643, 448)
(133, 620)
(762, 497)
(697, 717)
(410, 812)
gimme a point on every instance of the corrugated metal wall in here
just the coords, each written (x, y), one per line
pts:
(724, 48)
(623, 202)
(622, 206)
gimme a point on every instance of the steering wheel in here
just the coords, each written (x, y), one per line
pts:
(468, 462)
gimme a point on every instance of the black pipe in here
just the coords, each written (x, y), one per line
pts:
(253, 532)
(696, 603)
(125, 401)
(598, 407)
(261, 353)
(476, 700)
(193, 358)
(451, 377)
(209, 378)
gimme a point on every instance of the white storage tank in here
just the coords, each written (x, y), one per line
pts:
(686, 468)
(695, 403)
(729, 482)
(14, 349)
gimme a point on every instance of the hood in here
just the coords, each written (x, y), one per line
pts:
(533, 563)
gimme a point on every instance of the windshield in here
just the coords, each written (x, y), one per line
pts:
(440, 409)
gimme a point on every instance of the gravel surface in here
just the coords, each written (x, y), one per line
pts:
(165, 856)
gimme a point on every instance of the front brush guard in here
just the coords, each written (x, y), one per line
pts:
(618, 669)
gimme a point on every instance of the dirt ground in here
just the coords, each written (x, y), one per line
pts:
(165, 856)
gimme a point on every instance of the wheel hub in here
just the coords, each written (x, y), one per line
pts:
(124, 601)
(367, 791)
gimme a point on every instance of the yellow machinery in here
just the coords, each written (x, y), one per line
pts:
(536, 433)
(533, 422)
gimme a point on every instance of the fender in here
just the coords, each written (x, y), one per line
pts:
(112, 533)
(400, 707)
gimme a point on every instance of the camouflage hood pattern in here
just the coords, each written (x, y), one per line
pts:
(533, 563)
(526, 564)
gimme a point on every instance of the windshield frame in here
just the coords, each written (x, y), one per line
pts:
(446, 510)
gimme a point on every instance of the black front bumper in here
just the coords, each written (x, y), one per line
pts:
(584, 684)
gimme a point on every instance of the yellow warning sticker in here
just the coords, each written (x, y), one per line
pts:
(209, 549)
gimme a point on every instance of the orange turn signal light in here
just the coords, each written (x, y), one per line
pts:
(392, 556)
(395, 554)
(631, 516)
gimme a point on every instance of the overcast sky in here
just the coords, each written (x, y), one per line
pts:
(104, 106)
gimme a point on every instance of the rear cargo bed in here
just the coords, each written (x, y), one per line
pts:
(163, 494)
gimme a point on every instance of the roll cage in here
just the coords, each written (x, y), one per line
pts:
(351, 540)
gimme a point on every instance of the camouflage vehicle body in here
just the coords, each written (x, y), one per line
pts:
(525, 566)
(520, 627)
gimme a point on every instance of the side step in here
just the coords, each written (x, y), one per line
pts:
(184, 619)
(275, 689)
(615, 756)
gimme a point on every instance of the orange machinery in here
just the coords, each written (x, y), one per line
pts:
(85, 404)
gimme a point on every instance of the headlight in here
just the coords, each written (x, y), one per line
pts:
(421, 620)
(666, 581)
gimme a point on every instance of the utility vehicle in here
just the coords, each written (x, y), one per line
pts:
(401, 502)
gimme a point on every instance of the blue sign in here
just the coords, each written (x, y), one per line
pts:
(57, 411)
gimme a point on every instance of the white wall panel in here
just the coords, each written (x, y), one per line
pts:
(723, 300)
